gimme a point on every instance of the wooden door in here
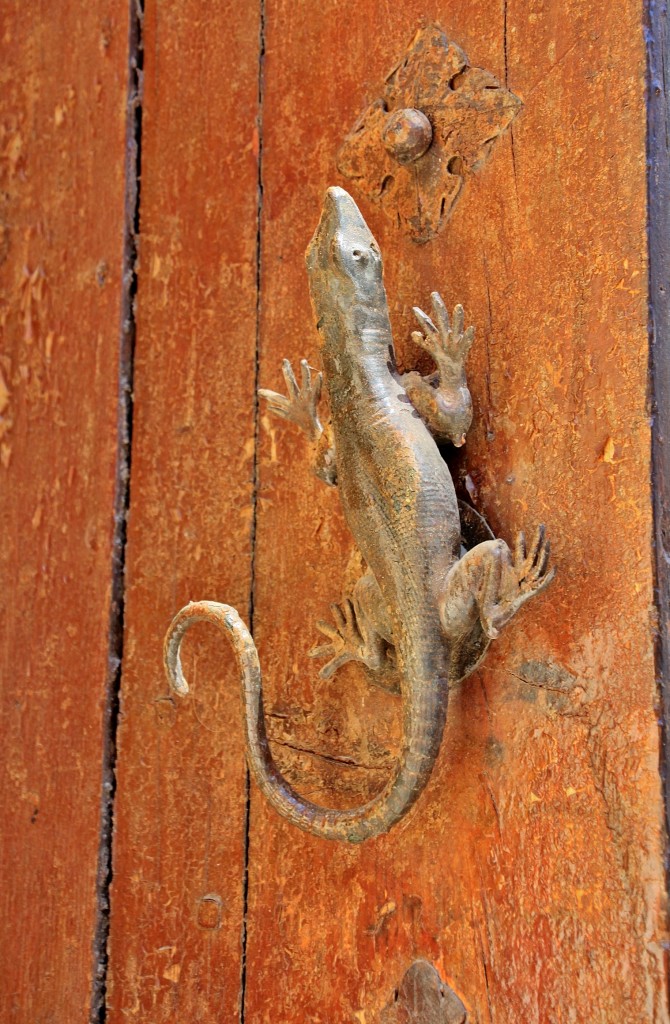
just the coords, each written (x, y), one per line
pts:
(530, 873)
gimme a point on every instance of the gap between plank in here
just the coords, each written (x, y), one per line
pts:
(254, 489)
(98, 1006)
(658, 226)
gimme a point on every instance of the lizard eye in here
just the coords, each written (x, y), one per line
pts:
(359, 255)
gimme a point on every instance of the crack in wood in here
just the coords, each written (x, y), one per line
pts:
(331, 758)
(244, 932)
(98, 1004)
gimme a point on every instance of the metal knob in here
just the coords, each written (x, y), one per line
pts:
(407, 135)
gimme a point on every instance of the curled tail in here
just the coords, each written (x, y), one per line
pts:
(355, 825)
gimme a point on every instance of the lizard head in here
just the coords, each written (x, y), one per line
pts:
(343, 260)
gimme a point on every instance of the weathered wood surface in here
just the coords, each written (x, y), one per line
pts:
(177, 894)
(63, 77)
(531, 871)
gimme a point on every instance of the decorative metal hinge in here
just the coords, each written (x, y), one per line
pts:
(435, 124)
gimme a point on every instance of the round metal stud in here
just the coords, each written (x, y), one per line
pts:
(407, 135)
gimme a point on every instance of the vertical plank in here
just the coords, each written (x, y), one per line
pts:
(531, 870)
(180, 820)
(658, 151)
(64, 78)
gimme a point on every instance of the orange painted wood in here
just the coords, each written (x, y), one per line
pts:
(179, 848)
(531, 870)
(64, 80)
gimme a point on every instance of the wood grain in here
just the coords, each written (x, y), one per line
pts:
(531, 871)
(64, 79)
(179, 851)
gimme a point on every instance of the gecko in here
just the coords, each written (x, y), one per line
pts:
(423, 603)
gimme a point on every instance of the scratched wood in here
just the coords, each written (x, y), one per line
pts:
(176, 925)
(63, 76)
(530, 873)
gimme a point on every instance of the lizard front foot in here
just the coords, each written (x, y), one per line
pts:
(349, 639)
(447, 343)
(511, 580)
(443, 400)
(301, 405)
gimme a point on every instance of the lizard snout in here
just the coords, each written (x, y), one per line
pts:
(339, 216)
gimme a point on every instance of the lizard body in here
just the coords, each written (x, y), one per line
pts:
(436, 609)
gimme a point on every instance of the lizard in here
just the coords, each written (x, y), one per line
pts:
(434, 606)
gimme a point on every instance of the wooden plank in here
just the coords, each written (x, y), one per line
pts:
(658, 148)
(64, 78)
(531, 870)
(180, 821)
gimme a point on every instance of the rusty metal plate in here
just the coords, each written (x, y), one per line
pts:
(416, 172)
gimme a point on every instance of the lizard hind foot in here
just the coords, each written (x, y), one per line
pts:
(349, 639)
(512, 579)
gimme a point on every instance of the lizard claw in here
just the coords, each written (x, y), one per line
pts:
(345, 640)
(511, 580)
(348, 640)
(447, 343)
(301, 405)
